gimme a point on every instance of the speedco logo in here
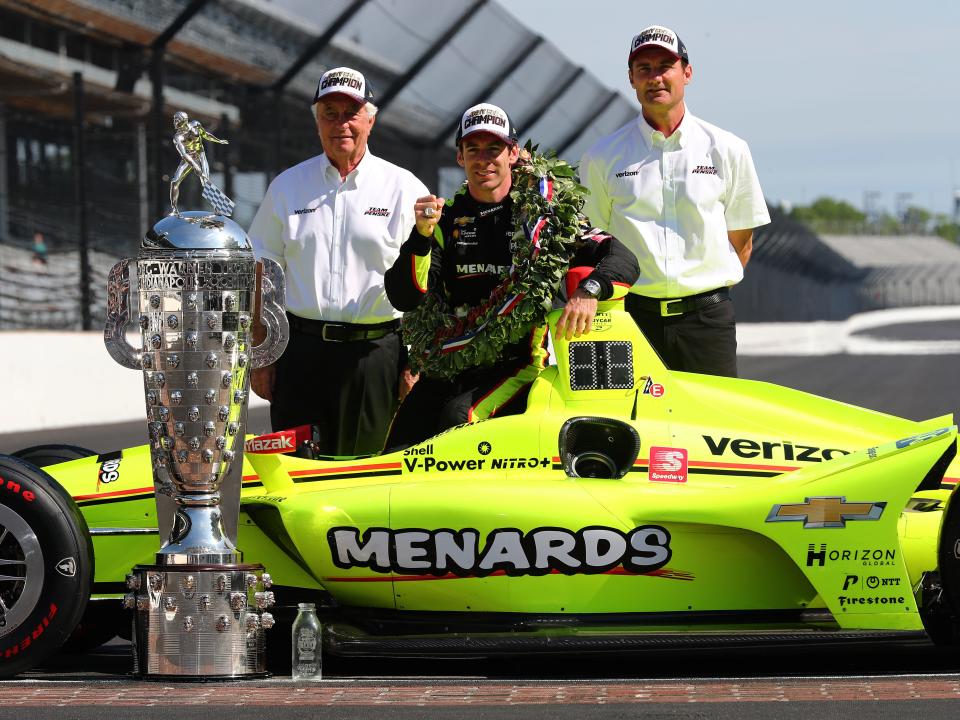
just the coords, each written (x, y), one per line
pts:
(537, 552)
(280, 442)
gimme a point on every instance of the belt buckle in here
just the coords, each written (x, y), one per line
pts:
(327, 326)
(665, 308)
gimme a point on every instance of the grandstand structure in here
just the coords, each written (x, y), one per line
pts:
(248, 70)
(88, 89)
(796, 275)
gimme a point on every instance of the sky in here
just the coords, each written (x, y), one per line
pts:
(838, 98)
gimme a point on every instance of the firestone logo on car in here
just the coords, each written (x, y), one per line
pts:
(279, 442)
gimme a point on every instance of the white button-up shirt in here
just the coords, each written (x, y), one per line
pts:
(335, 239)
(672, 200)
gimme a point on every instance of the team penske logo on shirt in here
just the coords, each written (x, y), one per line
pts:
(704, 170)
(377, 211)
(481, 269)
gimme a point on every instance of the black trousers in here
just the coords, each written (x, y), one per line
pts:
(435, 404)
(702, 341)
(348, 389)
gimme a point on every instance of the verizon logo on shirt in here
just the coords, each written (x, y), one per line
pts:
(377, 211)
(304, 211)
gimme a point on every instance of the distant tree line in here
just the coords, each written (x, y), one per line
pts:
(827, 215)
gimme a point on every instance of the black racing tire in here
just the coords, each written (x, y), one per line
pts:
(942, 621)
(99, 623)
(44, 455)
(46, 566)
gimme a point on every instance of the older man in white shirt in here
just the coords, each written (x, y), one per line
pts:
(684, 196)
(335, 224)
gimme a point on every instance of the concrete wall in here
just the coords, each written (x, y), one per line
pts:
(66, 379)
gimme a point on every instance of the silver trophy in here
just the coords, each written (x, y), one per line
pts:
(200, 612)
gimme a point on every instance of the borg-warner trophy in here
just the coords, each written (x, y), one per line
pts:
(199, 611)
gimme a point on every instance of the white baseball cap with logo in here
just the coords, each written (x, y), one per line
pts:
(489, 119)
(344, 81)
(660, 36)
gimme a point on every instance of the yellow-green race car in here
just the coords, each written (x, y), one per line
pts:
(629, 506)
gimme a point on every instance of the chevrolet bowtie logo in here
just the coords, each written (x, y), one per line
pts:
(826, 512)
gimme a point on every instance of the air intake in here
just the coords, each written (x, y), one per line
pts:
(596, 447)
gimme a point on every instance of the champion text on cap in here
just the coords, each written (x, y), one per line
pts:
(344, 81)
(486, 118)
(662, 37)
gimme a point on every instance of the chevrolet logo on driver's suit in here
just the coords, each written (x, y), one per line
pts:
(826, 512)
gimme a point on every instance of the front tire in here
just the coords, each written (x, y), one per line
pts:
(46, 566)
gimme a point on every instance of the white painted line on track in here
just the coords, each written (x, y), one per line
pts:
(837, 337)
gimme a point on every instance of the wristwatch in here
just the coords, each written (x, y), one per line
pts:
(591, 287)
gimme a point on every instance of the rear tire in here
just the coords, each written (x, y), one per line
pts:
(46, 566)
(941, 606)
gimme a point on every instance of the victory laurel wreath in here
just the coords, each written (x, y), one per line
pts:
(547, 200)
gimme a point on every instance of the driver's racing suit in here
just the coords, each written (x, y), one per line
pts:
(466, 259)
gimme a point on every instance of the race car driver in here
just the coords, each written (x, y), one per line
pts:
(462, 247)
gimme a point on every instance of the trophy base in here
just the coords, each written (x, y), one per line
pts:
(199, 622)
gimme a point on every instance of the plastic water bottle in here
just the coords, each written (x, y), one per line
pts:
(306, 644)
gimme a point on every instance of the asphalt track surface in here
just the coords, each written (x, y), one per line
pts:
(876, 680)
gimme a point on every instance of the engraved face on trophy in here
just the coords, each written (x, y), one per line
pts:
(185, 293)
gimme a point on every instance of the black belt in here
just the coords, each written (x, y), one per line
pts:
(667, 307)
(341, 332)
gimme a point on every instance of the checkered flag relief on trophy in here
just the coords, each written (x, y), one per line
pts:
(221, 203)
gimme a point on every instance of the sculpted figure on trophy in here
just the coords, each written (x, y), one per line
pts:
(188, 141)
